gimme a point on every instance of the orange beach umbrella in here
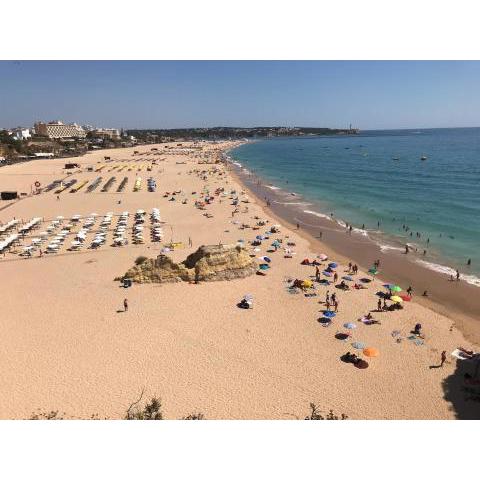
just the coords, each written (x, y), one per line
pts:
(371, 352)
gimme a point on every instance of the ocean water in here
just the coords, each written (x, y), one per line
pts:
(378, 176)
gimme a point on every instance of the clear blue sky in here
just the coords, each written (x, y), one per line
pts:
(161, 94)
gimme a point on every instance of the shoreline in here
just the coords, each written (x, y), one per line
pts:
(444, 296)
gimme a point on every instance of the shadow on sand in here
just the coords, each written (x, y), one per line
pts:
(462, 390)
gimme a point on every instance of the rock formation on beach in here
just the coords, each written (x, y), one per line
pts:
(208, 263)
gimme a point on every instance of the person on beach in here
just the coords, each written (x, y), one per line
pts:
(335, 276)
(336, 305)
(125, 305)
(406, 249)
(327, 304)
(327, 297)
(40, 253)
(379, 305)
(425, 294)
(443, 358)
(320, 234)
(298, 226)
(189, 242)
(469, 261)
(334, 297)
(458, 275)
(409, 291)
(317, 273)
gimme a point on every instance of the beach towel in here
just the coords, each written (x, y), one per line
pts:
(463, 356)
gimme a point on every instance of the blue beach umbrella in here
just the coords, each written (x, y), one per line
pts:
(327, 274)
(333, 265)
(259, 237)
(329, 314)
(350, 326)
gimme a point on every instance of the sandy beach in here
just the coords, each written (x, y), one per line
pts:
(67, 345)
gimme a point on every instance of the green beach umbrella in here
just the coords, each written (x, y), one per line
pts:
(373, 271)
(396, 288)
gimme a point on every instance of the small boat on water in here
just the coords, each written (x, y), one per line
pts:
(396, 158)
(423, 157)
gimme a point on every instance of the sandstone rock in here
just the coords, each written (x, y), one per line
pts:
(208, 263)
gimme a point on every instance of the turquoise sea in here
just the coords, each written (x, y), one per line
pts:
(378, 176)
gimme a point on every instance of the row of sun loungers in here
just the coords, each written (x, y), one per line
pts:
(8, 242)
(9, 226)
(29, 225)
(137, 230)
(138, 184)
(151, 184)
(101, 236)
(52, 185)
(81, 235)
(94, 184)
(109, 184)
(119, 239)
(66, 185)
(156, 230)
(78, 187)
(122, 185)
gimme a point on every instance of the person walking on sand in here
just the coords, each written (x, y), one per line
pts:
(317, 274)
(458, 276)
(409, 291)
(335, 277)
(443, 358)
(189, 242)
(379, 305)
(336, 305)
(125, 305)
(298, 226)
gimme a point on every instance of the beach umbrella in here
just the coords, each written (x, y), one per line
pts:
(322, 257)
(358, 345)
(259, 237)
(396, 299)
(405, 298)
(349, 325)
(389, 285)
(373, 271)
(265, 259)
(329, 314)
(396, 288)
(327, 274)
(333, 265)
(325, 320)
(348, 277)
(371, 352)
